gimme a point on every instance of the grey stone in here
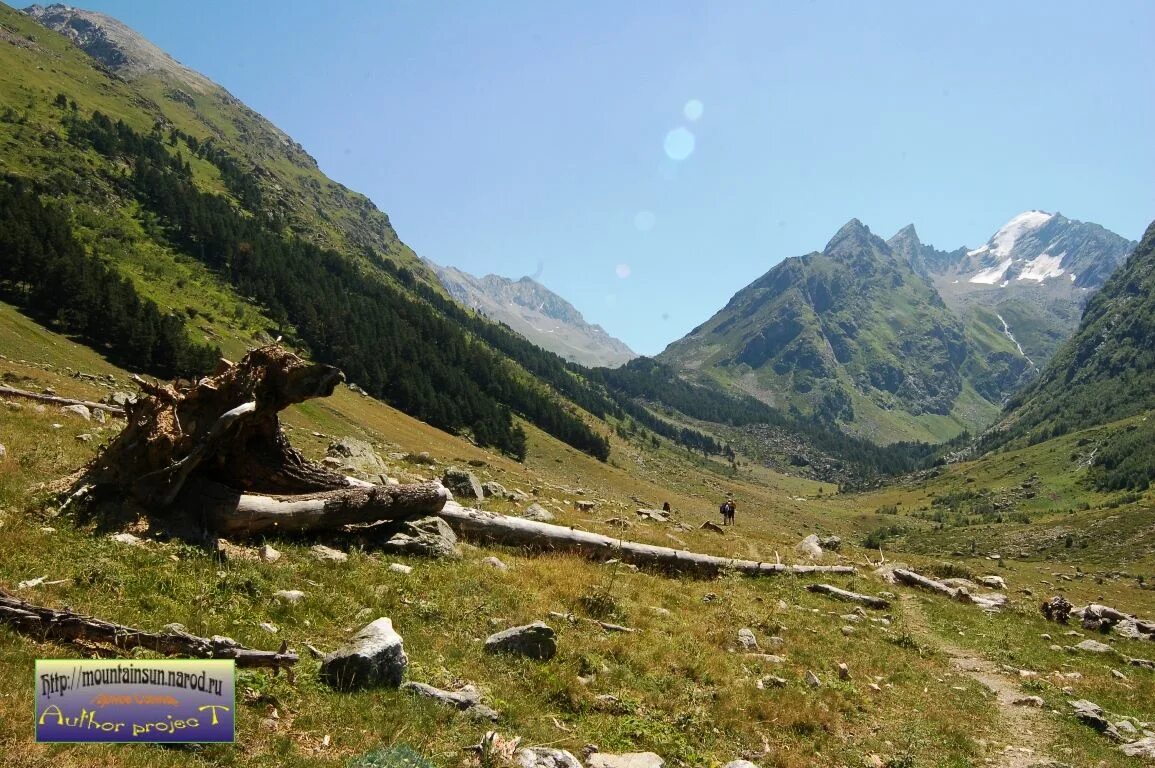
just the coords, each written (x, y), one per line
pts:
(585, 505)
(494, 488)
(656, 515)
(740, 764)
(321, 552)
(747, 639)
(127, 538)
(843, 671)
(424, 537)
(1094, 646)
(812, 679)
(545, 757)
(535, 641)
(120, 399)
(289, 595)
(1141, 748)
(537, 513)
(1030, 701)
(400, 568)
(494, 562)
(375, 656)
(831, 543)
(626, 760)
(994, 582)
(463, 698)
(268, 554)
(270, 628)
(809, 547)
(462, 483)
(358, 457)
(79, 410)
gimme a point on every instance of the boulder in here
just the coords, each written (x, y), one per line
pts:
(585, 505)
(1094, 646)
(993, 582)
(120, 399)
(747, 639)
(545, 757)
(809, 547)
(712, 526)
(1141, 748)
(373, 657)
(656, 515)
(268, 554)
(401, 568)
(424, 537)
(626, 760)
(289, 595)
(812, 679)
(537, 513)
(78, 410)
(830, 543)
(535, 641)
(358, 457)
(494, 488)
(462, 483)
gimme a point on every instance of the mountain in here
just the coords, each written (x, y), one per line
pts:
(538, 314)
(853, 335)
(1029, 282)
(145, 82)
(1105, 372)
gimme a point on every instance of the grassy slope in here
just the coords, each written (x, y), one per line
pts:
(680, 692)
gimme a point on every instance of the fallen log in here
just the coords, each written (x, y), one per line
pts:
(852, 597)
(240, 515)
(51, 623)
(992, 602)
(519, 532)
(607, 626)
(13, 392)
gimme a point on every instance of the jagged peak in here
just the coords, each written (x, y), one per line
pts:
(852, 235)
(907, 233)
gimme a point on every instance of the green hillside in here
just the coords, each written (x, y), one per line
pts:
(853, 336)
(1104, 373)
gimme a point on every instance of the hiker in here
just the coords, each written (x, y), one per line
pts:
(727, 510)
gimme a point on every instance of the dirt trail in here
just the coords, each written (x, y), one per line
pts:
(1028, 728)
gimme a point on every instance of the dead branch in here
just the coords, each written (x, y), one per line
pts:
(12, 392)
(44, 622)
(519, 532)
(853, 597)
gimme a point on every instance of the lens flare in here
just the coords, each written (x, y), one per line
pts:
(679, 144)
(693, 110)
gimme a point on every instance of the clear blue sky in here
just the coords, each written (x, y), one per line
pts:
(535, 137)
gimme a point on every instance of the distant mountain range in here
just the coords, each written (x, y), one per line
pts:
(537, 313)
(898, 340)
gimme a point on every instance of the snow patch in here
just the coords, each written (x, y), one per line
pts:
(1004, 240)
(992, 275)
(1043, 266)
(1072, 277)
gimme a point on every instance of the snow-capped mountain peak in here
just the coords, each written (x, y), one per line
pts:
(1004, 240)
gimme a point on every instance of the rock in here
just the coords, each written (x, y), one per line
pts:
(494, 562)
(712, 526)
(537, 513)
(424, 537)
(1094, 646)
(770, 681)
(494, 488)
(289, 595)
(268, 554)
(462, 483)
(127, 538)
(463, 698)
(29, 583)
(321, 552)
(375, 656)
(769, 658)
(535, 641)
(1030, 701)
(1129, 628)
(119, 399)
(400, 568)
(626, 760)
(99, 416)
(843, 671)
(3, 452)
(830, 543)
(1091, 714)
(420, 458)
(657, 515)
(358, 457)
(584, 505)
(619, 522)
(740, 764)
(994, 582)
(747, 639)
(1117, 674)
(1141, 748)
(79, 410)
(812, 679)
(960, 583)
(847, 631)
(809, 547)
(232, 552)
(545, 757)
(270, 628)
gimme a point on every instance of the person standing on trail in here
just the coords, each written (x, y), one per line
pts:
(727, 510)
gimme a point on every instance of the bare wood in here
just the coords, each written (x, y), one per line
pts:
(516, 531)
(991, 602)
(115, 410)
(241, 515)
(45, 622)
(853, 597)
(607, 626)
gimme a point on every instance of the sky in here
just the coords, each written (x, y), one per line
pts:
(647, 160)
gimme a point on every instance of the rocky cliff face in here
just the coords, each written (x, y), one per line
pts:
(539, 314)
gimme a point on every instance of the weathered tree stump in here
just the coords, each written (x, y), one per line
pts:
(216, 448)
